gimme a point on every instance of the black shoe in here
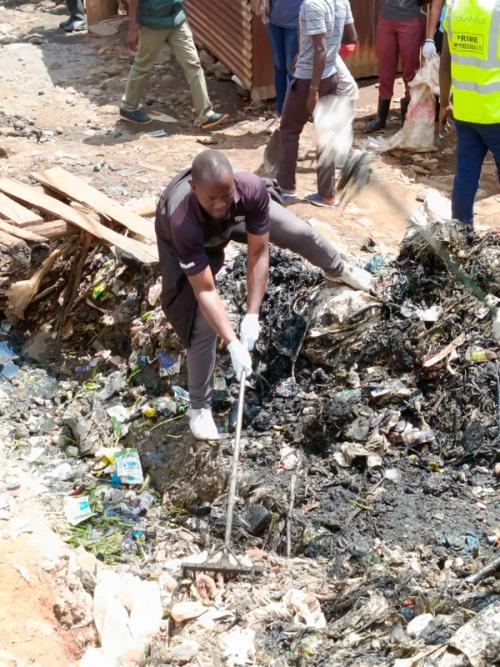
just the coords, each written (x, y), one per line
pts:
(378, 123)
(75, 26)
(404, 108)
(66, 23)
(138, 117)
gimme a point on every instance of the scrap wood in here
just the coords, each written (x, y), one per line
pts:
(15, 213)
(73, 282)
(144, 207)
(148, 254)
(21, 232)
(73, 187)
(20, 294)
(489, 568)
(445, 352)
(52, 229)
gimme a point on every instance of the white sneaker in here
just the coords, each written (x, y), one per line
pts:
(202, 424)
(353, 276)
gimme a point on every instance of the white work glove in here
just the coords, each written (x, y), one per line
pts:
(240, 358)
(429, 48)
(249, 331)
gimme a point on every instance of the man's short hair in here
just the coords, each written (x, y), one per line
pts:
(210, 166)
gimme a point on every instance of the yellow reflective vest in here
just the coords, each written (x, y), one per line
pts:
(473, 28)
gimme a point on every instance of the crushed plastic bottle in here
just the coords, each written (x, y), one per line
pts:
(479, 354)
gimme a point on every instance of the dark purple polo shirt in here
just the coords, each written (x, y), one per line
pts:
(193, 234)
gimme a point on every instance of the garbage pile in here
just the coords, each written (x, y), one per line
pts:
(368, 482)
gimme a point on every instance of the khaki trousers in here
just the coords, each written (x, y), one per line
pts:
(180, 41)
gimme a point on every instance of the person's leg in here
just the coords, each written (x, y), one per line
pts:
(471, 151)
(150, 43)
(387, 54)
(491, 137)
(277, 40)
(295, 116)
(410, 36)
(76, 10)
(291, 49)
(182, 44)
(200, 360)
(292, 233)
(325, 172)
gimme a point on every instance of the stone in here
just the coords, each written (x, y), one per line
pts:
(59, 130)
(185, 611)
(21, 432)
(221, 72)
(257, 518)
(418, 625)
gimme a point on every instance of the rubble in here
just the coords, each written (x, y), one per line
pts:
(388, 433)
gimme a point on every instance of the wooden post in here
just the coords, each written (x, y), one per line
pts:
(98, 10)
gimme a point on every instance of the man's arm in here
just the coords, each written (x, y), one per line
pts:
(257, 271)
(211, 304)
(444, 80)
(319, 62)
(349, 36)
(433, 18)
(133, 32)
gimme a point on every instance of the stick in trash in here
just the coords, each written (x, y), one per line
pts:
(489, 568)
(224, 564)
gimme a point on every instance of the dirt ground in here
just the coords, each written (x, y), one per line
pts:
(60, 96)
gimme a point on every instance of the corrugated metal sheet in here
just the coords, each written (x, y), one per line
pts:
(364, 62)
(228, 29)
(223, 27)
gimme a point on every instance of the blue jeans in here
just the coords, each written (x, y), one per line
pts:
(284, 45)
(473, 142)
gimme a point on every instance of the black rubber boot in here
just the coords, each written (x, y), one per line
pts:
(378, 123)
(404, 108)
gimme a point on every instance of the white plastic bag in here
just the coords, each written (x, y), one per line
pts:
(417, 134)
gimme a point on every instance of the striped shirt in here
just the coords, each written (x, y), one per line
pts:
(321, 17)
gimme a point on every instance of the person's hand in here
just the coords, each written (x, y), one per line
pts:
(240, 358)
(429, 49)
(132, 37)
(249, 331)
(443, 115)
(312, 100)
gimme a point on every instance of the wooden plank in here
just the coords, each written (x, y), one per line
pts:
(144, 207)
(21, 232)
(53, 229)
(148, 254)
(62, 181)
(17, 214)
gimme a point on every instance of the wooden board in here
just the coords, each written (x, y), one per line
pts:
(62, 181)
(17, 214)
(53, 229)
(144, 207)
(21, 232)
(148, 254)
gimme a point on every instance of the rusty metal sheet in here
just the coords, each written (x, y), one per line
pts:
(364, 61)
(230, 32)
(223, 27)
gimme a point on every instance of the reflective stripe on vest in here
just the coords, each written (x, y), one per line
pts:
(473, 28)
